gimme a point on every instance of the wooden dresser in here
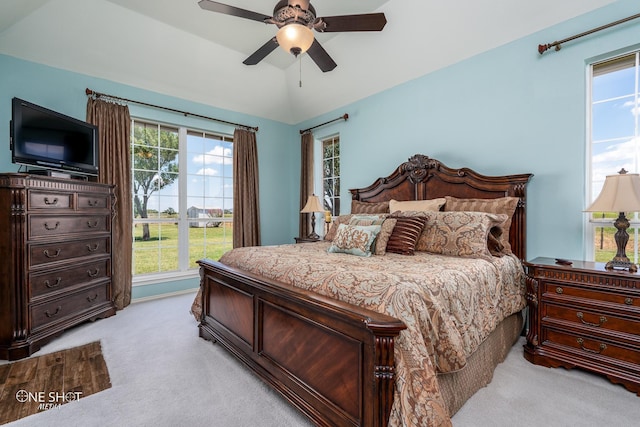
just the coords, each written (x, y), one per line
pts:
(55, 251)
(584, 316)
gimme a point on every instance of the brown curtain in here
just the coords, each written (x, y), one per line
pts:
(306, 181)
(246, 212)
(114, 130)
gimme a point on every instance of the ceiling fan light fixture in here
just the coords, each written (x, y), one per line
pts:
(295, 38)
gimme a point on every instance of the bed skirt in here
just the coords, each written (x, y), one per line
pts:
(457, 387)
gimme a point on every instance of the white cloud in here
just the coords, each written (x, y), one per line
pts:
(207, 172)
(215, 156)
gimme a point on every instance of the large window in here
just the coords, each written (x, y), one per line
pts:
(331, 174)
(182, 183)
(614, 143)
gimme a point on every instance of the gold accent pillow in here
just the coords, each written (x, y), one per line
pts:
(358, 207)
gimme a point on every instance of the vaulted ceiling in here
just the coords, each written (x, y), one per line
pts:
(176, 48)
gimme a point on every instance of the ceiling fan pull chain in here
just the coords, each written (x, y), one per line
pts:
(300, 59)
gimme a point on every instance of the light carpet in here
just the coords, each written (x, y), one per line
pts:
(163, 374)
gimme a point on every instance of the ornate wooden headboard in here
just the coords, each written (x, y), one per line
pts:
(423, 178)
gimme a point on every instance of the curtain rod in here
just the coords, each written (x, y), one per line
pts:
(542, 48)
(345, 117)
(95, 94)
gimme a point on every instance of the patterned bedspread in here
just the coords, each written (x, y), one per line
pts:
(449, 305)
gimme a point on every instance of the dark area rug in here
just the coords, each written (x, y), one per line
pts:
(37, 384)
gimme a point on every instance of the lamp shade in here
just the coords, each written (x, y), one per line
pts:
(313, 205)
(620, 193)
(295, 38)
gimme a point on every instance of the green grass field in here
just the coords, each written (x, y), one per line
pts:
(160, 252)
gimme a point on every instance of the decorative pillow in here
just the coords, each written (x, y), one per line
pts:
(354, 239)
(366, 219)
(405, 234)
(502, 205)
(462, 234)
(358, 207)
(341, 219)
(416, 205)
(383, 237)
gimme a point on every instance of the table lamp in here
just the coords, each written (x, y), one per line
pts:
(313, 205)
(620, 193)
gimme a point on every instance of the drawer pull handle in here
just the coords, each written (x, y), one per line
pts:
(94, 248)
(603, 347)
(628, 301)
(93, 203)
(50, 285)
(92, 225)
(48, 255)
(93, 274)
(559, 290)
(55, 313)
(50, 202)
(92, 299)
(597, 325)
(50, 228)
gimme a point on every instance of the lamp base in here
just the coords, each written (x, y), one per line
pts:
(622, 265)
(313, 236)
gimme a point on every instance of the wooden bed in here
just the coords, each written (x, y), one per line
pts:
(332, 360)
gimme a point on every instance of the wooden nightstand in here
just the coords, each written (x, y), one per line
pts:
(306, 240)
(584, 316)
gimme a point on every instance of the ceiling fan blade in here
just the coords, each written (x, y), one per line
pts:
(321, 57)
(261, 53)
(214, 6)
(364, 22)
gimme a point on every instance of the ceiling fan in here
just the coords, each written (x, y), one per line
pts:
(295, 19)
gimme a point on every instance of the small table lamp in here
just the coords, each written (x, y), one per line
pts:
(620, 193)
(313, 205)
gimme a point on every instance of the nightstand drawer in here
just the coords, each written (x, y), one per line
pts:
(591, 347)
(621, 298)
(598, 322)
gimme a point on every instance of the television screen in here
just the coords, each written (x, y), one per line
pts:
(47, 139)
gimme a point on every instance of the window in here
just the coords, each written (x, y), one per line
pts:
(182, 183)
(331, 174)
(614, 143)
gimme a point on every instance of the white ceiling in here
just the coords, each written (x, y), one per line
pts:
(176, 48)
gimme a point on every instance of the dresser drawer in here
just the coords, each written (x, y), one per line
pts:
(44, 284)
(619, 297)
(592, 347)
(68, 306)
(93, 201)
(47, 225)
(50, 200)
(46, 253)
(600, 323)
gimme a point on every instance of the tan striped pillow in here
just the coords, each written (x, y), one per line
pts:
(405, 234)
(502, 205)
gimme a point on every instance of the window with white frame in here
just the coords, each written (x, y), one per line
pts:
(182, 189)
(331, 174)
(614, 144)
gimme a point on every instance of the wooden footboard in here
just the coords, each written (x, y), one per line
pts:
(332, 360)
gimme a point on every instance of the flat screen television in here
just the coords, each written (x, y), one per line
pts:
(52, 141)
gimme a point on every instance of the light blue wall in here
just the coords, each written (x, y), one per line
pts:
(509, 110)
